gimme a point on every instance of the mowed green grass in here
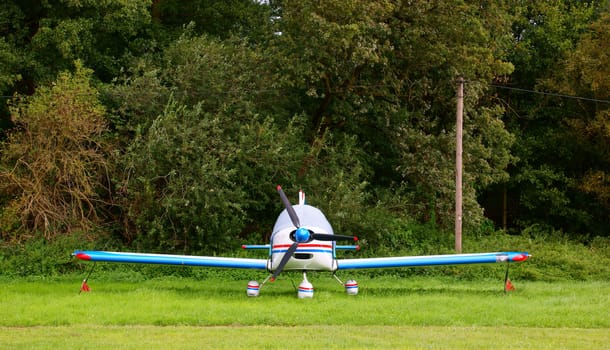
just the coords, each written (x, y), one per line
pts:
(389, 312)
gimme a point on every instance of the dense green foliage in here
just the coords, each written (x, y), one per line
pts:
(560, 177)
(189, 112)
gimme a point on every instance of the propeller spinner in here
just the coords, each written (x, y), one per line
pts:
(301, 234)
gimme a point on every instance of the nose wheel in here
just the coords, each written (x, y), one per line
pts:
(305, 288)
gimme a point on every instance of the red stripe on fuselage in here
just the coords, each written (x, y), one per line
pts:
(304, 245)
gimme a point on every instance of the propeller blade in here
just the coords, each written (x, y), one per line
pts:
(327, 237)
(289, 253)
(289, 208)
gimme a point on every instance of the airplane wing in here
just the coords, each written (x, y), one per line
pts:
(166, 259)
(431, 260)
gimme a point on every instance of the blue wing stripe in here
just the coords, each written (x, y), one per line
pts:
(165, 259)
(430, 260)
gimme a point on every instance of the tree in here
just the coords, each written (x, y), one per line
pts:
(383, 72)
(206, 148)
(54, 165)
(39, 39)
(544, 185)
(219, 18)
(186, 188)
(586, 73)
(8, 63)
(201, 169)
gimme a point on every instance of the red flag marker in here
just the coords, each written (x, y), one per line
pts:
(85, 287)
(509, 286)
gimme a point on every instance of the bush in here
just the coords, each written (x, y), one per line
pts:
(554, 255)
(40, 257)
(193, 177)
(54, 164)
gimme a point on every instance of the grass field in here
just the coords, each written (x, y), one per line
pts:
(418, 313)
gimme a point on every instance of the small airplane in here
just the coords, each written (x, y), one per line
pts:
(302, 240)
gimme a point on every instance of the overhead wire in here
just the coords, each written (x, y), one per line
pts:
(550, 94)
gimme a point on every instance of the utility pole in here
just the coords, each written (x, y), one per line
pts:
(458, 164)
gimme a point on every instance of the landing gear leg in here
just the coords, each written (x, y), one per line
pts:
(508, 286)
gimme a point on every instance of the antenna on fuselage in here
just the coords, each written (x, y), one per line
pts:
(301, 197)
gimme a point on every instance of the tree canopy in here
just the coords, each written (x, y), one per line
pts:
(167, 123)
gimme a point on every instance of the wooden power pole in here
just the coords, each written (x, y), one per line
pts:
(458, 164)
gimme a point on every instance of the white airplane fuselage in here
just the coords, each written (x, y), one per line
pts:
(311, 255)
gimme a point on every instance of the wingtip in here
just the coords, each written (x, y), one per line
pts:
(521, 257)
(82, 256)
(278, 187)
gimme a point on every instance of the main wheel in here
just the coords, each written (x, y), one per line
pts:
(351, 287)
(253, 289)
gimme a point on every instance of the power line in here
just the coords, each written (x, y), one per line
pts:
(550, 94)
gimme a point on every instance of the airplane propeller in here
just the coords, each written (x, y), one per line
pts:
(301, 235)
(293, 214)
